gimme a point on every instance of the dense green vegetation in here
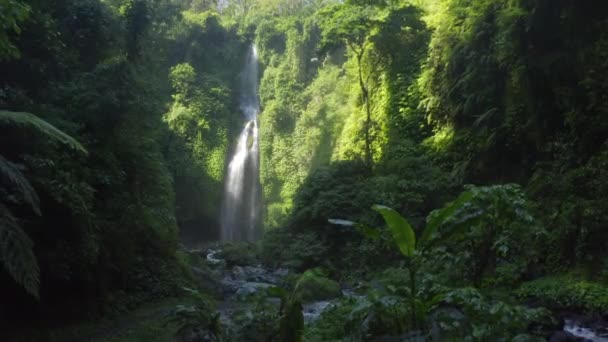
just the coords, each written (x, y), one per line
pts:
(136, 83)
(477, 130)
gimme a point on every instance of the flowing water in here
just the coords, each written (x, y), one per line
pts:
(586, 333)
(241, 207)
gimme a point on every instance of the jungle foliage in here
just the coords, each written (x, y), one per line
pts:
(136, 85)
(424, 98)
(476, 129)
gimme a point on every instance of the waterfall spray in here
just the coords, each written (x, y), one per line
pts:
(241, 207)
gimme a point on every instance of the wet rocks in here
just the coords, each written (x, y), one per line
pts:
(584, 329)
(313, 311)
(245, 281)
(564, 336)
(249, 289)
(240, 283)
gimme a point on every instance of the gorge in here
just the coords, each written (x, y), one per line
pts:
(280, 170)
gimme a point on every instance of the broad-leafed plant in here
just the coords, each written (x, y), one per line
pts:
(405, 237)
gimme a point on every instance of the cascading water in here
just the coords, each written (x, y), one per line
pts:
(241, 207)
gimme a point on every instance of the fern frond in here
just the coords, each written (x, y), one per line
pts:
(17, 254)
(32, 121)
(10, 171)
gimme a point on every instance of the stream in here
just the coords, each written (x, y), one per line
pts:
(240, 283)
(584, 331)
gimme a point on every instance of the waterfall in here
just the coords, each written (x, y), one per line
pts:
(242, 197)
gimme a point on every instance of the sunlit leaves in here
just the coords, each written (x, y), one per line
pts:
(12, 14)
(204, 20)
(182, 77)
(350, 25)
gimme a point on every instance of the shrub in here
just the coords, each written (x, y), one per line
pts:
(313, 286)
(567, 292)
(239, 253)
(298, 251)
(491, 239)
(475, 317)
(259, 324)
(361, 319)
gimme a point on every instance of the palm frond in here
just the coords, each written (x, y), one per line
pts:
(10, 171)
(32, 121)
(17, 254)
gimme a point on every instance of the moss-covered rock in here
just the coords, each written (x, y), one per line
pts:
(313, 287)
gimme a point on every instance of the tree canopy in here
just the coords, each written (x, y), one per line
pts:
(442, 161)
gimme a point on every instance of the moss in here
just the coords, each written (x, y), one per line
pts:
(311, 288)
(567, 292)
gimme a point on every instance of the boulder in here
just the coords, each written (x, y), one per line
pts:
(564, 336)
(313, 311)
(317, 288)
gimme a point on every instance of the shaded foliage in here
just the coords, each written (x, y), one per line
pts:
(106, 240)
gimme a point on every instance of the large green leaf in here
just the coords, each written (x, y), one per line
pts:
(402, 231)
(32, 121)
(437, 218)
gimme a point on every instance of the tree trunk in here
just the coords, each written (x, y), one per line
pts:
(413, 291)
(368, 110)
